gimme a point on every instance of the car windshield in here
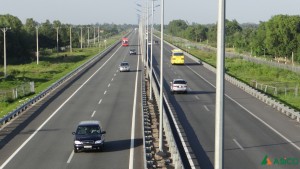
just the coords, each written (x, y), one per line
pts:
(179, 82)
(178, 54)
(88, 130)
(124, 64)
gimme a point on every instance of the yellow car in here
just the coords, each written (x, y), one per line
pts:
(177, 57)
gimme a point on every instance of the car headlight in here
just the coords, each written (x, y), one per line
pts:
(77, 142)
(98, 142)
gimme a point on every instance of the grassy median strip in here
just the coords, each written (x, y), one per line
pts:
(50, 69)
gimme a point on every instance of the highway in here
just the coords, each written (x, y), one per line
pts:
(252, 131)
(42, 138)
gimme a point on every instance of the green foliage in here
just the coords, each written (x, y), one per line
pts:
(278, 37)
(21, 39)
(281, 34)
(176, 27)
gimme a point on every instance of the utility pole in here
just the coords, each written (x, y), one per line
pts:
(57, 38)
(94, 36)
(88, 36)
(219, 117)
(4, 50)
(81, 38)
(98, 35)
(37, 44)
(71, 39)
(161, 79)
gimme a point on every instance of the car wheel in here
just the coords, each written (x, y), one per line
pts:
(75, 150)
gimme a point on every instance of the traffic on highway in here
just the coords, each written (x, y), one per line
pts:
(95, 119)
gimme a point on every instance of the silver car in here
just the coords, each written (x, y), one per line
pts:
(178, 86)
(124, 67)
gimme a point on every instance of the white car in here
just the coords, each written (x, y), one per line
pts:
(178, 86)
(132, 52)
(124, 67)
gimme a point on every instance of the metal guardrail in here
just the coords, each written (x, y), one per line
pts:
(177, 161)
(147, 141)
(42, 94)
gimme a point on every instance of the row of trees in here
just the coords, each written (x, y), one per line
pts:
(21, 38)
(277, 37)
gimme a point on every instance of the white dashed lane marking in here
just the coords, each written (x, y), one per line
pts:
(238, 144)
(93, 113)
(206, 107)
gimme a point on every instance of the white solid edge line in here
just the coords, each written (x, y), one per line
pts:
(133, 119)
(259, 119)
(48, 119)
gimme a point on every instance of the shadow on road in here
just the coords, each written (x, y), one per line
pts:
(119, 145)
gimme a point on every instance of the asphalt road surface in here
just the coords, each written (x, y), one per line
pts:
(252, 129)
(42, 138)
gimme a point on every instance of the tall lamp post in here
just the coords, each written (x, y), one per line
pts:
(151, 50)
(71, 39)
(88, 36)
(219, 117)
(161, 79)
(94, 36)
(4, 48)
(37, 44)
(57, 38)
(80, 37)
(98, 34)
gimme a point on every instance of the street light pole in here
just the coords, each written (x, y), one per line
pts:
(88, 36)
(147, 33)
(57, 38)
(81, 38)
(219, 117)
(37, 44)
(151, 53)
(161, 79)
(98, 35)
(94, 36)
(4, 50)
(71, 39)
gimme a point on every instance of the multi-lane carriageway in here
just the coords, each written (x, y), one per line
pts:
(41, 137)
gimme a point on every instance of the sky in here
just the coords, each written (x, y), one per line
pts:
(83, 12)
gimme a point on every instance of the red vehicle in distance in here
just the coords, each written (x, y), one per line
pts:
(125, 41)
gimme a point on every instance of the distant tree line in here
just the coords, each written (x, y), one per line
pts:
(21, 38)
(277, 37)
